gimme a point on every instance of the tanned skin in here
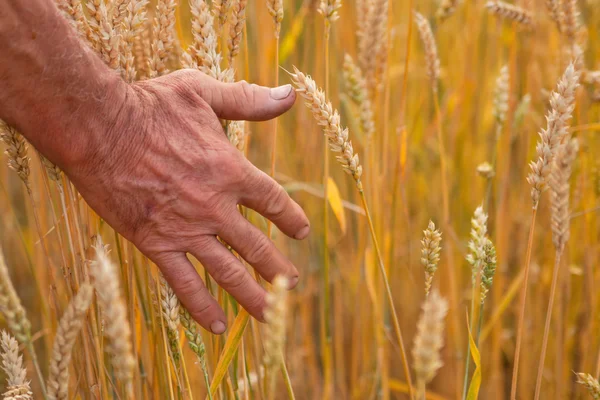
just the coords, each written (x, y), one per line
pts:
(151, 158)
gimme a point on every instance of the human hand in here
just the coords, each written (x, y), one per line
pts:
(164, 175)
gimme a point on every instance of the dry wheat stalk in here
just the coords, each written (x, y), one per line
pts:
(16, 152)
(203, 51)
(275, 8)
(116, 325)
(430, 253)
(356, 86)
(501, 95)
(510, 12)
(488, 269)
(477, 243)
(68, 329)
(163, 37)
(329, 10)
(329, 119)
(275, 318)
(590, 383)
(559, 192)
(236, 28)
(10, 305)
(18, 387)
(447, 8)
(570, 14)
(431, 54)
(429, 341)
(562, 103)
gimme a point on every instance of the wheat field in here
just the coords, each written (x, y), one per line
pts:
(445, 158)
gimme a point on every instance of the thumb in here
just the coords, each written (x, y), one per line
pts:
(244, 101)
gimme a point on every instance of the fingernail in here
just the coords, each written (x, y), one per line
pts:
(302, 233)
(281, 92)
(293, 282)
(217, 327)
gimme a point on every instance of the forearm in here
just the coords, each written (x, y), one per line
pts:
(53, 88)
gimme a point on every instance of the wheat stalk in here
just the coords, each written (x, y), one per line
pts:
(510, 12)
(18, 387)
(68, 329)
(429, 341)
(236, 28)
(430, 253)
(116, 325)
(431, 53)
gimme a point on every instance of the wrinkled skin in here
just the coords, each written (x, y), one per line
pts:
(170, 181)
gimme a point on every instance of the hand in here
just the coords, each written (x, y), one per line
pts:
(164, 175)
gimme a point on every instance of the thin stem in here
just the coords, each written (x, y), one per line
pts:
(388, 291)
(325, 302)
(538, 382)
(468, 351)
(36, 365)
(523, 299)
(286, 379)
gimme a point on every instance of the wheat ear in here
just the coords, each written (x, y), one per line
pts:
(372, 42)
(275, 8)
(195, 343)
(590, 383)
(236, 28)
(446, 9)
(556, 13)
(18, 387)
(116, 325)
(562, 103)
(274, 333)
(510, 12)
(329, 10)
(429, 341)
(559, 193)
(357, 89)
(68, 329)
(163, 38)
(169, 305)
(16, 151)
(430, 253)
(477, 243)
(431, 53)
(570, 13)
(10, 305)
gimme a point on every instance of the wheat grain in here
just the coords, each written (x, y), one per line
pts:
(10, 305)
(236, 27)
(329, 10)
(431, 54)
(570, 14)
(488, 269)
(73, 10)
(562, 103)
(275, 8)
(590, 383)
(510, 12)
(559, 192)
(556, 13)
(204, 54)
(68, 329)
(18, 387)
(429, 341)
(195, 341)
(501, 95)
(116, 325)
(477, 243)
(329, 119)
(16, 152)
(356, 86)
(430, 253)
(275, 318)
(169, 306)
(236, 133)
(163, 37)
(221, 10)
(447, 8)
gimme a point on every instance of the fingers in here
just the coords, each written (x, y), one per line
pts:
(264, 195)
(231, 275)
(191, 291)
(258, 250)
(243, 101)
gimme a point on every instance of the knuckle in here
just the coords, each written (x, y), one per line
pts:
(279, 202)
(201, 308)
(230, 275)
(186, 286)
(256, 302)
(260, 252)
